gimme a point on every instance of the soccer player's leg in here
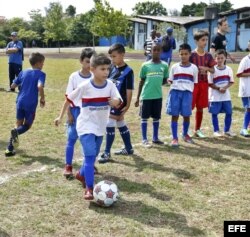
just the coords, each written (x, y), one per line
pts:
(156, 115)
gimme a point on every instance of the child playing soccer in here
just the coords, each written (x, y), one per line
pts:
(153, 74)
(219, 95)
(205, 63)
(244, 90)
(123, 77)
(183, 76)
(75, 79)
(95, 96)
(30, 83)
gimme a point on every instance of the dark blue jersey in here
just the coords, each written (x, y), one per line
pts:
(28, 81)
(123, 77)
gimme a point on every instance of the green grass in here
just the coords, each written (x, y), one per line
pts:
(188, 191)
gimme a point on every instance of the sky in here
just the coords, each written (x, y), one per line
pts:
(20, 8)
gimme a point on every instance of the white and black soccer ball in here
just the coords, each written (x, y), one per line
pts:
(105, 193)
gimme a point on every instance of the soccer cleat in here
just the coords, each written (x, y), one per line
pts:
(88, 195)
(229, 134)
(9, 153)
(199, 134)
(187, 139)
(244, 133)
(68, 172)
(146, 144)
(81, 179)
(104, 158)
(158, 142)
(217, 134)
(174, 143)
(124, 152)
(14, 136)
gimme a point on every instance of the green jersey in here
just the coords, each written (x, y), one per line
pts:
(153, 75)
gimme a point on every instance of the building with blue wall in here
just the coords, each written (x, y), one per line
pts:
(238, 20)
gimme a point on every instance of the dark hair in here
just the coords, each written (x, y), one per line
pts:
(36, 58)
(220, 51)
(200, 33)
(86, 53)
(119, 48)
(99, 59)
(221, 20)
(185, 47)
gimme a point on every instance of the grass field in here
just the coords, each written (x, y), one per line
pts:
(165, 192)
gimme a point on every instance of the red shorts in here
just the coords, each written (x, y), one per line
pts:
(200, 95)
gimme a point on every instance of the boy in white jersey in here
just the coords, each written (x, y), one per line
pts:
(244, 90)
(75, 79)
(219, 95)
(95, 96)
(182, 77)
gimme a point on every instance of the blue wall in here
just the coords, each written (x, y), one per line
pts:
(114, 39)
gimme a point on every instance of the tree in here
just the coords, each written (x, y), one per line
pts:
(224, 6)
(107, 22)
(28, 36)
(54, 24)
(193, 9)
(71, 11)
(149, 8)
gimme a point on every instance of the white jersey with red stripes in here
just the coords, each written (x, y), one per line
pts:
(244, 84)
(183, 77)
(220, 78)
(95, 106)
(75, 79)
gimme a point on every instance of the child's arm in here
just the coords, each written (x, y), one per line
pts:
(65, 107)
(141, 83)
(42, 96)
(13, 86)
(114, 102)
(204, 70)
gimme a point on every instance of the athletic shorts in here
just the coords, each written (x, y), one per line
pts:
(179, 103)
(200, 95)
(71, 128)
(220, 107)
(27, 115)
(151, 108)
(246, 102)
(91, 144)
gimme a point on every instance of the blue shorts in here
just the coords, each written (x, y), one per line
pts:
(220, 107)
(179, 103)
(246, 102)
(151, 108)
(71, 128)
(28, 115)
(91, 144)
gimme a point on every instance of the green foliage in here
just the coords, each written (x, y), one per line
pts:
(108, 22)
(197, 9)
(17, 23)
(37, 21)
(54, 23)
(193, 9)
(70, 11)
(149, 8)
(2, 43)
(28, 36)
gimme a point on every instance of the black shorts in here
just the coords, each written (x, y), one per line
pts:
(151, 108)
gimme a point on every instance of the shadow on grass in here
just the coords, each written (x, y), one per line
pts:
(149, 215)
(45, 160)
(239, 109)
(197, 151)
(141, 164)
(133, 187)
(3, 233)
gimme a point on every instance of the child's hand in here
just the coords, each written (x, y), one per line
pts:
(169, 81)
(136, 103)
(203, 70)
(124, 110)
(42, 103)
(114, 102)
(222, 90)
(57, 121)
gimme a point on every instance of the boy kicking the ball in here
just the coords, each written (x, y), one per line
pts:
(96, 95)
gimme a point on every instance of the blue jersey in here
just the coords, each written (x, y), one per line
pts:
(18, 56)
(123, 77)
(28, 81)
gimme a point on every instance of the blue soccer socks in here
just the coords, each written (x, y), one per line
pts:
(69, 151)
(110, 137)
(125, 134)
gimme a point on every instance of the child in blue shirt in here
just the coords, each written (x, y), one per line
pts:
(30, 83)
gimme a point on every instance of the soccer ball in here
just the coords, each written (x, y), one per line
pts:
(105, 193)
